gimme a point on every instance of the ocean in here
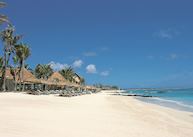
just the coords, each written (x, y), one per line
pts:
(181, 99)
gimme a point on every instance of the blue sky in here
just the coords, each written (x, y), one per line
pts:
(130, 43)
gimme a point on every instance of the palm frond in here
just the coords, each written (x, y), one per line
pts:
(2, 4)
(68, 74)
(43, 71)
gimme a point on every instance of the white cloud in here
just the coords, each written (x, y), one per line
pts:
(58, 66)
(105, 73)
(173, 56)
(150, 57)
(77, 64)
(167, 33)
(90, 54)
(104, 48)
(91, 69)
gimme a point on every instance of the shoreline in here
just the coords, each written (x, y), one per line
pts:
(168, 103)
(176, 105)
(96, 115)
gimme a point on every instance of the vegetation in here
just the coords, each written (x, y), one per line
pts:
(22, 53)
(68, 74)
(9, 40)
(11, 47)
(14, 71)
(106, 87)
(43, 71)
(1, 63)
(19, 53)
(3, 18)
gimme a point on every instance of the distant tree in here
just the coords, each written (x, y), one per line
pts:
(115, 87)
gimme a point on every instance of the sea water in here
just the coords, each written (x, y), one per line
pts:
(181, 99)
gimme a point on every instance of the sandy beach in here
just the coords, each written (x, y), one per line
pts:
(96, 115)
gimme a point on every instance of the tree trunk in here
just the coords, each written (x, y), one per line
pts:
(4, 72)
(23, 67)
(20, 79)
(15, 84)
(20, 76)
(45, 86)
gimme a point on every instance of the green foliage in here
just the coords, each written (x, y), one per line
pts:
(3, 18)
(9, 41)
(43, 71)
(2, 4)
(22, 51)
(15, 60)
(106, 86)
(68, 74)
(115, 87)
(13, 72)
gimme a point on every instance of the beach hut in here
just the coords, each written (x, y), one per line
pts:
(77, 78)
(90, 88)
(57, 81)
(29, 80)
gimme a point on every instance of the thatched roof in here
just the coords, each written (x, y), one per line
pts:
(77, 78)
(90, 87)
(74, 85)
(57, 79)
(28, 77)
(56, 76)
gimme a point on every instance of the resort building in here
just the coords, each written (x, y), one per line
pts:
(55, 82)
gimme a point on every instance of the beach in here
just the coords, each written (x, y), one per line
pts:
(96, 115)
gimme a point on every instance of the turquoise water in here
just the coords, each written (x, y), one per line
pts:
(181, 99)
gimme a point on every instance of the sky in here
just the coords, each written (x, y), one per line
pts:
(129, 43)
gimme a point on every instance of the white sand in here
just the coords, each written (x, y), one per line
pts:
(98, 115)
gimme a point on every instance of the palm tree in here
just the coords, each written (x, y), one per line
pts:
(14, 71)
(2, 4)
(1, 63)
(3, 18)
(9, 40)
(22, 53)
(1, 66)
(68, 74)
(43, 71)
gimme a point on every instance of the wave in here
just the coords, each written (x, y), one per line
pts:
(173, 101)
